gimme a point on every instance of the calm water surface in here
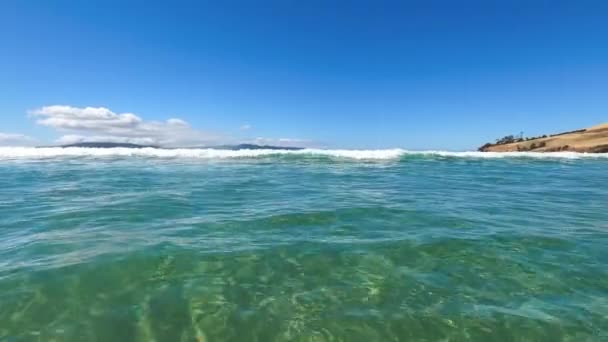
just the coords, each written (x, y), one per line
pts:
(302, 247)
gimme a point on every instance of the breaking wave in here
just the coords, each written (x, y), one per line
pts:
(386, 154)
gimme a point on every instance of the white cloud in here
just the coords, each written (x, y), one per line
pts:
(177, 122)
(94, 124)
(99, 124)
(13, 139)
(75, 138)
(89, 118)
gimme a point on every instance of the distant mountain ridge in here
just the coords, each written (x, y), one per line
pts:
(220, 147)
(255, 147)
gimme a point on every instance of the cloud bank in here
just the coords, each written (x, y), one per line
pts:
(14, 139)
(94, 124)
(100, 124)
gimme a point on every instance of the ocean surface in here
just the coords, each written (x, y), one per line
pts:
(312, 245)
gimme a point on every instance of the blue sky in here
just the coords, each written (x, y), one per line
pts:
(418, 75)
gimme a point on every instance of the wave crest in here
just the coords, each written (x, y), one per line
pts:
(387, 154)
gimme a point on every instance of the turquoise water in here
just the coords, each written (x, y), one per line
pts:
(383, 246)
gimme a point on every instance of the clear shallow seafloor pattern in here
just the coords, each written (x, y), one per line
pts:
(303, 247)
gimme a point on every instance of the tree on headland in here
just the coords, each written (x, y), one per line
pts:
(505, 140)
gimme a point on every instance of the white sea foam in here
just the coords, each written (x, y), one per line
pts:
(388, 154)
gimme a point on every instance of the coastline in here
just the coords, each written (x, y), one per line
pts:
(589, 140)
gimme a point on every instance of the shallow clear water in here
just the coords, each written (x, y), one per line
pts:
(303, 247)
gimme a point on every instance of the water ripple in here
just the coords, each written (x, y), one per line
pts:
(425, 246)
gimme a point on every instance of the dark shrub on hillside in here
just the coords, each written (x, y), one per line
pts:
(506, 140)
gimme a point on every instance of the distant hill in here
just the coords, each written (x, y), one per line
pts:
(255, 147)
(590, 140)
(222, 147)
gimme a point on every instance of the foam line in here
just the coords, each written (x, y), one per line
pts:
(388, 154)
